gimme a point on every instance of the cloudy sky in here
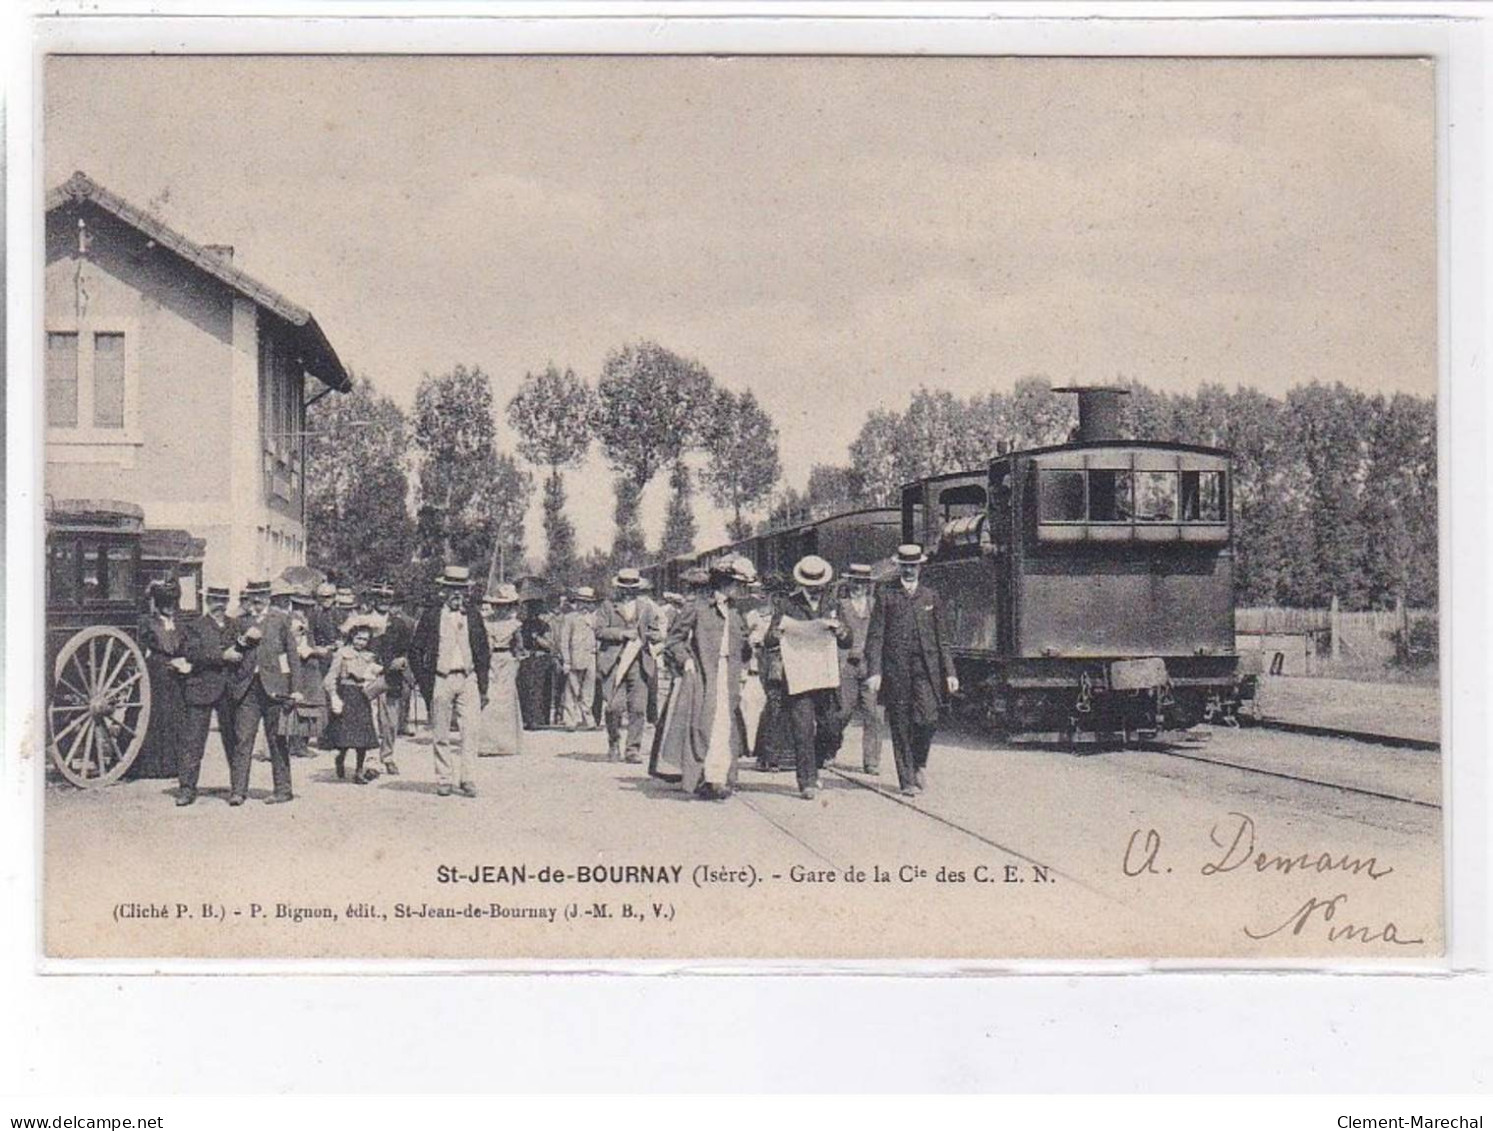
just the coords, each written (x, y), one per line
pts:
(831, 233)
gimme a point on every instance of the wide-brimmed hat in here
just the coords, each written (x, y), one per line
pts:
(283, 588)
(506, 593)
(736, 567)
(859, 571)
(813, 572)
(256, 589)
(455, 577)
(164, 587)
(358, 624)
(326, 589)
(583, 593)
(910, 553)
(628, 579)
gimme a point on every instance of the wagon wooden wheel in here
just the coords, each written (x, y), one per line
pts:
(99, 707)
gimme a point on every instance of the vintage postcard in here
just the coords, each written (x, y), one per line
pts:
(716, 508)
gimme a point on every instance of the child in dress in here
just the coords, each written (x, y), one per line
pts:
(352, 684)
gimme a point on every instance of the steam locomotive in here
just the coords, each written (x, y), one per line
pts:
(1088, 586)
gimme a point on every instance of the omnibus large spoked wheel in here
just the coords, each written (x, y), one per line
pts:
(99, 706)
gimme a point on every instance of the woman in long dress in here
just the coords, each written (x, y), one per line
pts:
(709, 644)
(502, 731)
(535, 678)
(161, 638)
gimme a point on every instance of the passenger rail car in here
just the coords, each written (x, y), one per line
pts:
(1088, 586)
(869, 535)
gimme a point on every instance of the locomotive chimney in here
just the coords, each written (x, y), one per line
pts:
(1098, 411)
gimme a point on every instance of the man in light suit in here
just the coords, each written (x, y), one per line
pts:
(626, 673)
(909, 665)
(450, 658)
(577, 650)
(263, 685)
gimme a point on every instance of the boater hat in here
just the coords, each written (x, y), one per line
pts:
(673, 598)
(628, 579)
(584, 593)
(218, 593)
(858, 571)
(455, 577)
(282, 588)
(505, 594)
(910, 553)
(256, 589)
(345, 598)
(695, 575)
(813, 572)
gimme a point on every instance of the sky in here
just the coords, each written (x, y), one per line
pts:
(831, 233)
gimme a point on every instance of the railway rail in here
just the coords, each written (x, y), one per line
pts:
(1314, 731)
(1173, 750)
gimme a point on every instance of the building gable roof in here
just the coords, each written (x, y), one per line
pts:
(320, 358)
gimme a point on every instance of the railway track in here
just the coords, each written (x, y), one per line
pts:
(1196, 754)
(1372, 739)
(1301, 779)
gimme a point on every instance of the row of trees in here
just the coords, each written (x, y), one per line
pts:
(390, 493)
(1335, 490)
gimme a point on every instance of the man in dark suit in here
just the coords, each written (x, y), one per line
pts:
(264, 683)
(391, 646)
(626, 626)
(449, 656)
(209, 646)
(814, 716)
(909, 665)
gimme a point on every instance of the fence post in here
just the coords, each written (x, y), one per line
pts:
(1336, 628)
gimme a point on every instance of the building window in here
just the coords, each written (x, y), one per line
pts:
(108, 380)
(92, 376)
(62, 380)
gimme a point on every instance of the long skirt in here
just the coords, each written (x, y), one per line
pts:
(534, 691)
(353, 728)
(501, 730)
(668, 735)
(774, 745)
(165, 734)
(715, 763)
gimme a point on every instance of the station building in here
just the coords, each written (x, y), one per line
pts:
(177, 383)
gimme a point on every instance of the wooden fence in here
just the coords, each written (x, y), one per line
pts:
(1309, 639)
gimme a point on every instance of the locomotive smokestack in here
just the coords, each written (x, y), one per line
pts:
(1098, 411)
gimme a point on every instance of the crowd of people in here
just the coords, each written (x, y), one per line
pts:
(736, 670)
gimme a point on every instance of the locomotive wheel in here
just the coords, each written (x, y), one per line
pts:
(99, 707)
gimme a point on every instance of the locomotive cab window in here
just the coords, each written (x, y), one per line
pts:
(1111, 496)
(1156, 496)
(1202, 496)
(1060, 495)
